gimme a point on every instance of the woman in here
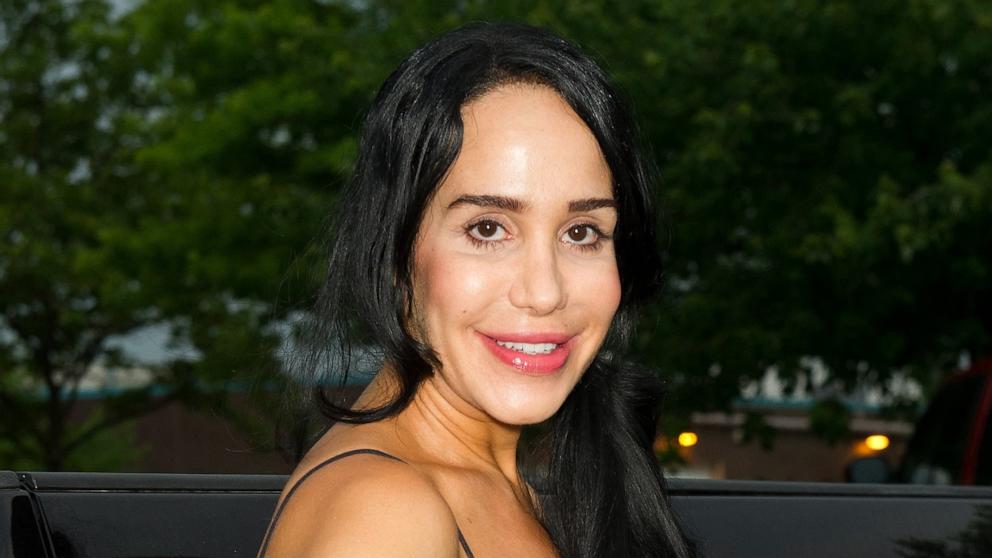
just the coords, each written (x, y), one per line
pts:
(494, 242)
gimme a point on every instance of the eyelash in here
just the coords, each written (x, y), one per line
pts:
(492, 244)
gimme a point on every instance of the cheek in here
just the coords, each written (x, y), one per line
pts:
(598, 290)
(450, 288)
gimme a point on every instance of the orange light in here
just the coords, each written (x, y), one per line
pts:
(877, 442)
(688, 439)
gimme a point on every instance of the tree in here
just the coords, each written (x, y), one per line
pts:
(132, 196)
(826, 185)
(65, 142)
(827, 181)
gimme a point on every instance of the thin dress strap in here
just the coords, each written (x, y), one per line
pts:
(321, 465)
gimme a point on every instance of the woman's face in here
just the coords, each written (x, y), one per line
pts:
(515, 278)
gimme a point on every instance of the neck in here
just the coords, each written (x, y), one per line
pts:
(446, 429)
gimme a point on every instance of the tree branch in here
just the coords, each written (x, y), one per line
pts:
(118, 419)
(81, 365)
(13, 406)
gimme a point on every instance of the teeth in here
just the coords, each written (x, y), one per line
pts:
(529, 348)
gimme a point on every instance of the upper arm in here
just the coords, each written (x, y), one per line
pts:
(364, 506)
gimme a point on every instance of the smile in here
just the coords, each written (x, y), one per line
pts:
(531, 354)
(528, 348)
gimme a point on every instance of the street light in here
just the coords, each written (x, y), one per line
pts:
(877, 442)
(688, 439)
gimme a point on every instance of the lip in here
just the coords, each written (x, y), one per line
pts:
(533, 365)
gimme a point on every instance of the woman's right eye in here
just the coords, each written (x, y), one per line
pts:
(486, 231)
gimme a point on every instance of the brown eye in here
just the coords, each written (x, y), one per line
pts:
(582, 235)
(487, 230)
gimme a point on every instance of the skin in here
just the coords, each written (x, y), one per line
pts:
(536, 264)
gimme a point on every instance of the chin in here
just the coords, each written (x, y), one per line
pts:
(526, 412)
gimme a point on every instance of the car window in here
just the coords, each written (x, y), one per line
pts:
(935, 452)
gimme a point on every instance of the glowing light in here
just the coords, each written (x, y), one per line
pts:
(688, 439)
(877, 442)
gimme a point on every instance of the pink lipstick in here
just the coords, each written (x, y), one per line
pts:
(541, 363)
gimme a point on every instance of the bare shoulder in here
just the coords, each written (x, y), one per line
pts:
(363, 505)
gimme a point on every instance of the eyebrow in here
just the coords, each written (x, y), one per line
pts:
(589, 204)
(499, 202)
(518, 206)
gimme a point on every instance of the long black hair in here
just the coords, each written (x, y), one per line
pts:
(602, 490)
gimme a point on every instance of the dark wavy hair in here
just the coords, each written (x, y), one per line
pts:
(602, 493)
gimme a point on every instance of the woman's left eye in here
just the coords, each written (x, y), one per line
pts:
(582, 235)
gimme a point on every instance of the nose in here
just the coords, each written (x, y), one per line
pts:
(539, 284)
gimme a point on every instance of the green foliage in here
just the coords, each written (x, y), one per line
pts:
(115, 448)
(828, 420)
(116, 218)
(827, 185)
(756, 429)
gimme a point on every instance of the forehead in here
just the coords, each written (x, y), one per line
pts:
(525, 141)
